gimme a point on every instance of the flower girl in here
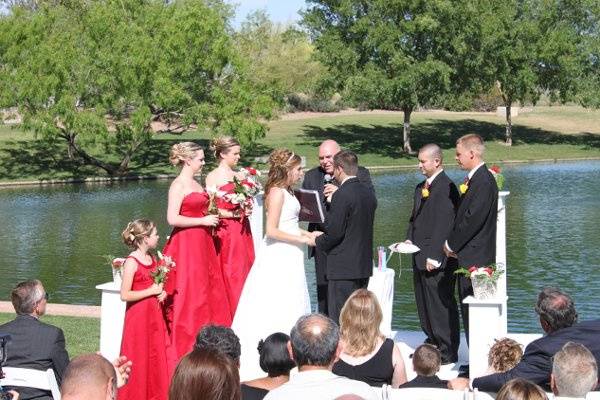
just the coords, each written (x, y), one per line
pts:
(144, 332)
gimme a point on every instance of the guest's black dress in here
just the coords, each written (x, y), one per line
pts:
(376, 371)
(253, 393)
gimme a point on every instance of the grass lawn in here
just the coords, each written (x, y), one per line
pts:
(557, 132)
(82, 335)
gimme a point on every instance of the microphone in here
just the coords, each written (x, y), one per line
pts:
(327, 179)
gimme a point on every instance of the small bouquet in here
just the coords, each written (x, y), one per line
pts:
(161, 272)
(213, 208)
(484, 279)
(496, 172)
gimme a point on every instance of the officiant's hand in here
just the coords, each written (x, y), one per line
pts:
(329, 190)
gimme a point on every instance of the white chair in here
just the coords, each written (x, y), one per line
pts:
(25, 377)
(423, 394)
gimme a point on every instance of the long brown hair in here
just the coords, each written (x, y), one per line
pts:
(281, 161)
(359, 323)
(207, 375)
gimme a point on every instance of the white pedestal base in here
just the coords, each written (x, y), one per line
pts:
(112, 317)
(485, 324)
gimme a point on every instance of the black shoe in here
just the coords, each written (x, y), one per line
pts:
(463, 371)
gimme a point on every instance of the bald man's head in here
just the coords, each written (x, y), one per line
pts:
(89, 377)
(327, 150)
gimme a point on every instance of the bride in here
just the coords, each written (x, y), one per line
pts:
(275, 294)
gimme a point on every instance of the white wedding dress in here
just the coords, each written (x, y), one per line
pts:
(275, 294)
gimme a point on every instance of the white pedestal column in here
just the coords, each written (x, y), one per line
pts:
(501, 252)
(112, 317)
(485, 325)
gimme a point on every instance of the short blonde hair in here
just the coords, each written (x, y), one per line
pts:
(222, 144)
(521, 389)
(473, 142)
(359, 323)
(504, 355)
(180, 152)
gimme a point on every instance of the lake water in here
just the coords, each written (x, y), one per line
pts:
(60, 234)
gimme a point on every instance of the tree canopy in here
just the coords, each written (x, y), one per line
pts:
(109, 74)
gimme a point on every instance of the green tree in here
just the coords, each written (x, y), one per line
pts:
(535, 47)
(104, 76)
(388, 54)
(279, 58)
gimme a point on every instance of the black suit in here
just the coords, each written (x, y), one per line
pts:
(314, 180)
(348, 242)
(35, 345)
(431, 221)
(536, 363)
(473, 237)
(425, 382)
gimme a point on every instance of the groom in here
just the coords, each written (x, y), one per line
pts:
(348, 241)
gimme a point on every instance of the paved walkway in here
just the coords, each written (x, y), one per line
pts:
(66, 310)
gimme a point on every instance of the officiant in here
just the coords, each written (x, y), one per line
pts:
(321, 179)
(435, 202)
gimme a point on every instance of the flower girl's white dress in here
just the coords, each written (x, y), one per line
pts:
(275, 294)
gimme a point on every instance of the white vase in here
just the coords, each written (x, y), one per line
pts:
(483, 287)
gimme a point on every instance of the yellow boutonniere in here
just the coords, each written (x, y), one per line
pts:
(463, 188)
(424, 193)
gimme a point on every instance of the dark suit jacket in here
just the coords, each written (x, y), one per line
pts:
(314, 180)
(473, 237)
(35, 345)
(536, 364)
(431, 220)
(348, 238)
(425, 382)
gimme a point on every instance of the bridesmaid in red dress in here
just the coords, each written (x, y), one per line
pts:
(145, 336)
(233, 239)
(197, 295)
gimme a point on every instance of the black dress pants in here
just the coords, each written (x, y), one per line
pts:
(338, 292)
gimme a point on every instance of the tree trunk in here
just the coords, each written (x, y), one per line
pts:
(406, 132)
(508, 124)
(88, 159)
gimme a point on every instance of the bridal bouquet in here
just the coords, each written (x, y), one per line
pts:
(244, 189)
(161, 272)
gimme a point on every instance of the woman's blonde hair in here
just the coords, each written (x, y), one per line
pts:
(180, 152)
(281, 161)
(359, 323)
(505, 354)
(222, 144)
(136, 231)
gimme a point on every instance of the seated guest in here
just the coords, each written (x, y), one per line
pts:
(92, 377)
(315, 346)
(505, 354)
(34, 344)
(275, 361)
(366, 354)
(221, 339)
(427, 360)
(521, 389)
(574, 372)
(206, 375)
(558, 319)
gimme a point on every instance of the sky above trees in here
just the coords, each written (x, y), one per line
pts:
(278, 10)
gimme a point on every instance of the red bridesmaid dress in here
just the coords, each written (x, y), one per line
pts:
(145, 342)
(235, 249)
(196, 289)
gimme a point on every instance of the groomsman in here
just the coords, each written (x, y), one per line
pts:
(348, 237)
(321, 179)
(473, 237)
(435, 202)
